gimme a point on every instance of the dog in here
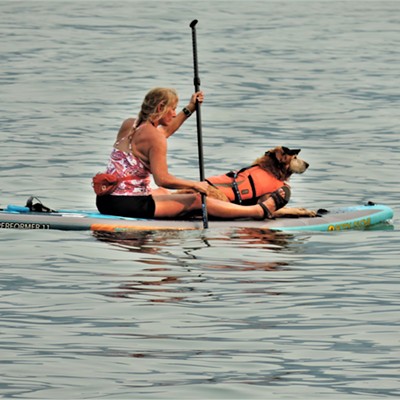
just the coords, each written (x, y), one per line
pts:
(255, 183)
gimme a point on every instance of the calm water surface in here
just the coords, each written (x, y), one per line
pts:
(221, 314)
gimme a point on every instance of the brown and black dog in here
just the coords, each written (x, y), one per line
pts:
(253, 184)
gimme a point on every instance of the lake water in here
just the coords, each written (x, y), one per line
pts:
(220, 314)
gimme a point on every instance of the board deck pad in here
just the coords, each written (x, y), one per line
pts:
(335, 219)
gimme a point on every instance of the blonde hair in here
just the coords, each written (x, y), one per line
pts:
(149, 111)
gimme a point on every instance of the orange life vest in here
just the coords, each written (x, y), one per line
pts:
(246, 185)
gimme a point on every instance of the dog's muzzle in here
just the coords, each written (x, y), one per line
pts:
(298, 166)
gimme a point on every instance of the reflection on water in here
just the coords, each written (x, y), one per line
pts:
(153, 242)
(158, 242)
(176, 266)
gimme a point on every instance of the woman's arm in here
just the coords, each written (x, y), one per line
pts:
(181, 117)
(159, 168)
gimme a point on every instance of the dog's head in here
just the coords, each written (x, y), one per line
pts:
(282, 162)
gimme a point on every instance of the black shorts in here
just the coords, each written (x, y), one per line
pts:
(126, 206)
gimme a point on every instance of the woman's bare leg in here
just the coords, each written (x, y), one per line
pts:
(177, 205)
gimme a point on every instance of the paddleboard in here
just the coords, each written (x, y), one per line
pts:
(335, 219)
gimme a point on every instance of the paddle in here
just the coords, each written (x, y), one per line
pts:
(196, 81)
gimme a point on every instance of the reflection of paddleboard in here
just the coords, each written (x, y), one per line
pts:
(336, 219)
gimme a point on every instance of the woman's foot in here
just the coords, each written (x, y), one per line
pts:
(278, 199)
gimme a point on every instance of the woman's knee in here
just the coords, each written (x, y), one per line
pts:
(176, 204)
(191, 201)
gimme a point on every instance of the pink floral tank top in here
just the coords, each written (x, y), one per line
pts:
(123, 164)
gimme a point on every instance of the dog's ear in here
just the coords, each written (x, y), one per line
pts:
(271, 154)
(290, 152)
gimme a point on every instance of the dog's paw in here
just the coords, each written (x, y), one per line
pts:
(212, 192)
(184, 191)
(296, 212)
(216, 194)
(304, 212)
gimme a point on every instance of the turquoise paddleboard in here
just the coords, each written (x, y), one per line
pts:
(335, 219)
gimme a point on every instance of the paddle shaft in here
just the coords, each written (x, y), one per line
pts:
(196, 82)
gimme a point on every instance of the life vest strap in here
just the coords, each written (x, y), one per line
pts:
(235, 188)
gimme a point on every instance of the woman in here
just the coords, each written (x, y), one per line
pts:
(140, 150)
